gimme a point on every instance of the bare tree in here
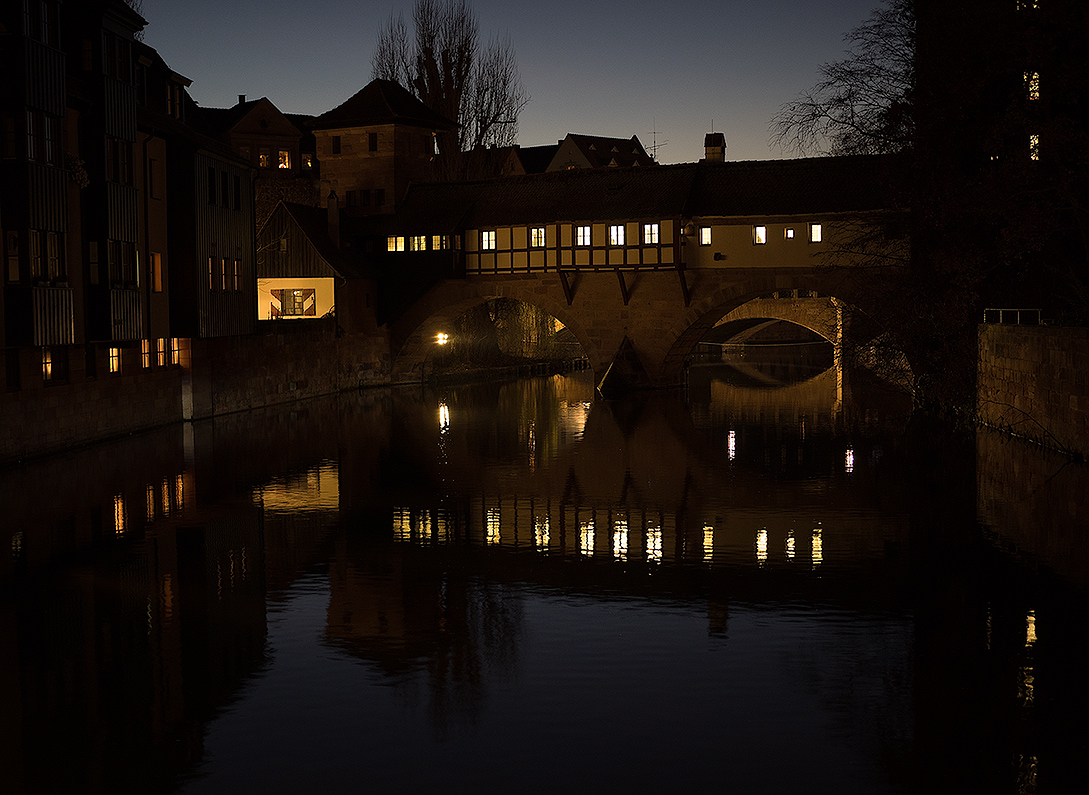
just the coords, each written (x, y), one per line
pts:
(444, 65)
(864, 103)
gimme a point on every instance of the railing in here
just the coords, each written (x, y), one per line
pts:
(54, 321)
(1012, 317)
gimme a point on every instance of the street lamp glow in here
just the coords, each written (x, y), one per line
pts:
(442, 338)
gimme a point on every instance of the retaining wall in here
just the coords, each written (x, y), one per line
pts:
(1034, 382)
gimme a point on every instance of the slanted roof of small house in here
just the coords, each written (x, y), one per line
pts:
(255, 117)
(535, 159)
(313, 224)
(381, 102)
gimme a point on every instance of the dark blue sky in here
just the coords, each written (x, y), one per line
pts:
(606, 68)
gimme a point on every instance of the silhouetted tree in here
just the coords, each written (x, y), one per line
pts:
(864, 103)
(445, 66)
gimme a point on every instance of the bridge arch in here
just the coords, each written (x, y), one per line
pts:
(640, 335)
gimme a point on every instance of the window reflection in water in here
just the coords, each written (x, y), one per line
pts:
(818, 547)
(849, 460)
(620, 539)
(654, 543)
(586, 537)
(762, 545)
(731, 445)
(444, 417)
(119, 514)
(491, 527)
(708, 543)
(540, 532)
(790, 545)
(1027, 675)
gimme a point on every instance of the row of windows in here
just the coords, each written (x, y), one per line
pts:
(362, 198)
(418, 243)
(159, 352)
(651, 235)
(224, 274)
(283, 157)
(45, 255)
(222, 196)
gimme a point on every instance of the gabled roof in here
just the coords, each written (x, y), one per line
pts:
(381, 102)
(594, 151)
(534, 159)
(313, 222)
(257, 116)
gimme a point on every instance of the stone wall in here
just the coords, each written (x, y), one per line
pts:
(43, 418)
(1034, 382)
(284, 361)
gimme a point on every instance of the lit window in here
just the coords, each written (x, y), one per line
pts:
(650, 234)
(815, 233)
(1032, 84)
(160, 349)
(156, 272)
(1034, 147)
(582, 235)
(417, 243)
(263, 158)
(616, 235)
(788, 233)
(395, 243)
(487, 240)
(145, 353)
(537, 236)
(705, 235)
(308, 161)
(284, 159)
(438, 242)
(175, 351)
(238, 275)
(47, 364)
(759, 235)
(115, 360)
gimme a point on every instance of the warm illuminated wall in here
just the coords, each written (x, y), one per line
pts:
(320, 304)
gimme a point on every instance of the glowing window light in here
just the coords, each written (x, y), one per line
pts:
(1034, 147)
(179, 492)
(1030, 628)
(1032, 84)
(816, 233)
(151, 503)
(708, 542)
(620, 539)
(119, 514)
(654, 543)
(586, 537)
(115, 360)
(849, 460)
(762, 545)
(818, 547)
(402, 525)
(166, 498)
(424, 526)
(731, 445)
(442, 338)
(760, 235)
(492, 526)
(444, 416)
(540, 532)
(790, 545)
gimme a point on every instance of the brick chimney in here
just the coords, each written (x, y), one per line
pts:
(714, 147)
(333, 207)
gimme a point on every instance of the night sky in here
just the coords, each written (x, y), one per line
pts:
(609, 68)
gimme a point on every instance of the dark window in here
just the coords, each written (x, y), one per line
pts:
(336, 144)
(54, 255)
(379, 197)
(92, 261)
(11, 256)
(118, 161)
(11, 369)
(90, 369)
(225, 189)
(364, 198)
(211, 185)
(55, 365)
(237, 192)
(238, 275)
(37, 260)
(350, 197)
(372, 142)
(7, 136)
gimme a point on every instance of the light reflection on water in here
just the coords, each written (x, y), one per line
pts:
(517, 585)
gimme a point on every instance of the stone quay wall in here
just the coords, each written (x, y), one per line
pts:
(1034, 383)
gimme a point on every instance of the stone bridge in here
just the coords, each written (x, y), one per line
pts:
(642, 342)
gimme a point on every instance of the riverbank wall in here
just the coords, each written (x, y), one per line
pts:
(107, 393)
(1033, 382)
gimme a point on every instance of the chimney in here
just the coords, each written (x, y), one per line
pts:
(241, 98)
(333, 207)
(714, 147)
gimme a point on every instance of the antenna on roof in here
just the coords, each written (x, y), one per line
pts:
(655, 146)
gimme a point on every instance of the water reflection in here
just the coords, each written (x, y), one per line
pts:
(322, 594)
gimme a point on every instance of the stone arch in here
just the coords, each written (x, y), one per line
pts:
(413, 334)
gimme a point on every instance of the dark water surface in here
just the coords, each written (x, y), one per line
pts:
(768, 584)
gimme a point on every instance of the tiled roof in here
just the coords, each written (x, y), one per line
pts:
(381, 102)
(740, 188)
(602, 152)
(535, 159)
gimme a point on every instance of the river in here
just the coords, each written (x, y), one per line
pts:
(770, 582)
